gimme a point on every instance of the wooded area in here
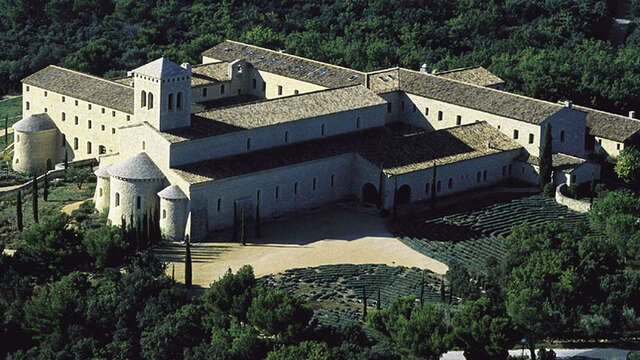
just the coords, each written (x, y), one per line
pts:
(549, 49)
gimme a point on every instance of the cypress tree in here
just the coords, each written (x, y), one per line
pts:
(145, 230)
(139, 233)
(6, 131)
(45, 187)
(66, 159)
(187, 264)
(235, 221)
(173, 271)
(443, 292)
(258, 216)
(243, 239)
(19, 210)
(378, 303)
(364, 303)
(545, 160)
(35, 199)
(422, 289)
(433, 186)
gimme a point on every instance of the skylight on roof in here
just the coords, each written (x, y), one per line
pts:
(260, 58)
(272, 60)
(299, 67)
(250, 53)
(391, 77)
(322, 73)
(283, 63)
(312, 70)
(227, 49)
(383, 78)
(353, 77)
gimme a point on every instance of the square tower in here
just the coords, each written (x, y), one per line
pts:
(162, 91)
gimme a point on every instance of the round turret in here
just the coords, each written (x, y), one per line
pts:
(173, 213)
(101, 197)
(134, 183)
(35, 144)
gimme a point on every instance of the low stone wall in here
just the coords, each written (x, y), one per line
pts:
(573, 204)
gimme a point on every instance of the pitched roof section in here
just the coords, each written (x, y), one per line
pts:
(211, 73)
(395, 151)
(84, 87)
(172, 192)
(137, 167)
(35, 122)
(275, 111)
(473, 75)
(103, 172)
(384, 81)
(161, 68)
(610, 126)
(477, 97)
(291, 66)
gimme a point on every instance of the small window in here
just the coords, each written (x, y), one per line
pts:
(286, 136)
(45, 94)
(253, 83)
(277, 193)
(117, 199)
(64, 116)
(164, 213)
(426, 111)
(222, 89)
(248, 144)
(618, 146)
(45, 110)
(204, 92)
(530, 138)
(138, 202)
(562, 136)
(295, 188)
(89, 106)
(75, 120)
(402, 105)
(103, 110)
(76, 102)
(499, 127)
(333, 178)
(17, 137)
(75, 143)
(439, 115)
(510, 168)
(279, 89)
(478, 176)
(427, 187)
(102, 127)
(314, 184)
(63, 99)
(296, 92)
(484, 175)
(88, 147)
(113, 114)
(414, 107)
(100, 192)
(17, 160)
(322, 130)
(179, 101)
(219, 204)
(388, 107)
(504, 171)
(144, 145)
(170, 102)
(450, 184)
(64, 140)
(515, 134)
(458, 120)
(27, 105)
(113, 131)
(89, 124)
(438, 186)
(150, 101)
(599, 141)
(128, 117)
(358, 122)
(27, 88)
(102, 150)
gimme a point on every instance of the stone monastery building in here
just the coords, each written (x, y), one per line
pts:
(252, 130)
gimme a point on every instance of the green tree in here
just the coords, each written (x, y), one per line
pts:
(278, 314)
(461, 282)
(34, 198)
(229, 297)
(628, 165)
(414, 331)
(309, 350)
(546, 161)
(168, 339)
(105, 247)
(78, 176)
(19, 210)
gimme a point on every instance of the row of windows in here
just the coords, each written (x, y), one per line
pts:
(480, 176)
(276, 191)
(89, 148)
(138, 202)
(64, 99)
(76, 121)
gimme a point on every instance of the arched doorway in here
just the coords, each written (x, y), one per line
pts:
(49, 165)
(404, 194)
(369, 194)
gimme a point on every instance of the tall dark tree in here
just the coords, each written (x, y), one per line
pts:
(66, 159)
(19, 210)
(187, 264)
(422, 289)
(6, 131)
(258, 215)
(45, 187)
(433, 185)
(235, 221)
(546, 161)
(364, 303)
(379, 301)
(35, 198)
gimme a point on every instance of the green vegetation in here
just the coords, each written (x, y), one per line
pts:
(12, 109)
(628, 165)
(553, 49)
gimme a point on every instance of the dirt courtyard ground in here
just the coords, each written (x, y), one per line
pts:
(335, 235)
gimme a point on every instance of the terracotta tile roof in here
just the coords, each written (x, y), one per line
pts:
(477, 97)
(275, 111)
(610, 126)
(211, 73)
(84, 87)
(291, 66)
(396, 151)
(474, 75)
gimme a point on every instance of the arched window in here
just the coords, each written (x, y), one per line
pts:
(117, 199)
(144, 145)
(138, 202)
(64, 140)
(322, 130)
(17, 138)
(100, 192)
(28, 105)
(170, 105)
(164, 213)
(143, 99)
(150, 101)
(179, 101)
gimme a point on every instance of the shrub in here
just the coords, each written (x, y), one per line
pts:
(549, 190)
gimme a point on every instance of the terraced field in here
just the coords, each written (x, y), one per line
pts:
(471, 237)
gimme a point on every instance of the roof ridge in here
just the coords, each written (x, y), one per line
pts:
(460, 69)
(606, 112)
(297, 56)
(483, 87)
(209, 63)
(89, 75)
(375, 72)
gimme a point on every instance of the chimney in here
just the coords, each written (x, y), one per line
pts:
(568, 104)
(425, 69)
(632, 114)
(488, 144)
(186, 66)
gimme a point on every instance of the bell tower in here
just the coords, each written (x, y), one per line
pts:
(162, 91)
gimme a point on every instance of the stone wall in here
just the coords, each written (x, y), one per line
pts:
(127, 192)
(35, 152)
(573, 204)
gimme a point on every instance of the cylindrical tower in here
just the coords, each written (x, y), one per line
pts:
(101, 197)
(134, 184)
(173, 213)
(35, 143)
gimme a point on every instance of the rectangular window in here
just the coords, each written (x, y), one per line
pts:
(76, 102)
(63, 99)
(45, 94)
(64, 116)
(27, 105)
(458, 120)
(89, 106)
(515, 134)
(286, 136)
(138, 202)
(219, 204)
(64, 140)
(27, 87)
(450, 184)
(427, 188)
(414, 107)
(314, 184)
(254, 83)
(438, 186)
(75, 143)
(102, 127)
(75, 120)
(103, 110)
(484, 175)
(128, 117)
(402, 106)
(204, 92)
(295, 188)
(426, 111)
(248, 144)
(510, 168)
(279, 89)
(530, 138)
(89, 124)
(277, 193)
(322, 130)
(388, 107)
(504, 171)
(562, 136)
(45, 109)
(88, 147)
(113, 114)
(222, 89)
(333, 178)
(439, 115)
(113, 130)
